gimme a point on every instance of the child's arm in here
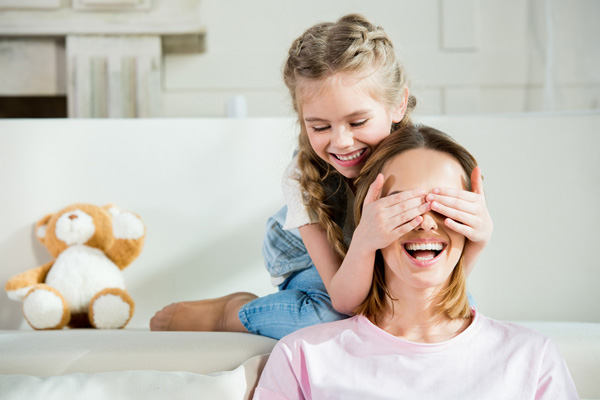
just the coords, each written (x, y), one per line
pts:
(384, 220)
(467, 214)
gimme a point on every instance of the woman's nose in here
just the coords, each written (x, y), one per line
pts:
(429, 223)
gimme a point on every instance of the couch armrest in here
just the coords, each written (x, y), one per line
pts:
(50, 353)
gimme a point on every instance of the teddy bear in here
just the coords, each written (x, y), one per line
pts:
(83, 286)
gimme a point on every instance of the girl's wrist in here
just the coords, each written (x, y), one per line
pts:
(360, 245)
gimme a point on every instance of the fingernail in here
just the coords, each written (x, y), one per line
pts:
(436, 191)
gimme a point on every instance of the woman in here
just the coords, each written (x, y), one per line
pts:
(415, 336)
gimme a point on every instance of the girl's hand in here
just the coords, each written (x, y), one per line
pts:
(386, 219)
(466, 211)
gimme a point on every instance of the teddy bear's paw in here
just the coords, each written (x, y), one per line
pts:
(45, 308)
(126, 225)
(18, 294)
(111, 309)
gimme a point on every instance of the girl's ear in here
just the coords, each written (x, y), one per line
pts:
(400, 109)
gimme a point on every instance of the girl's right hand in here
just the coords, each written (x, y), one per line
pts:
(386, 219)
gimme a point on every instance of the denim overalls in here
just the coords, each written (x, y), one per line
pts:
(302, 299)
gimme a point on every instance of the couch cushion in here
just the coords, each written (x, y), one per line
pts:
(144, 385)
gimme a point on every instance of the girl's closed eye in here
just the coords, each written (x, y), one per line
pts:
(360, 123)
(323, 128)
(320, 128)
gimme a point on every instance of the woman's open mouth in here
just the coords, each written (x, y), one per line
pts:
(424, 251)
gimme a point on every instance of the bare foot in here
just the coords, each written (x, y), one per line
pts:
(220, 314)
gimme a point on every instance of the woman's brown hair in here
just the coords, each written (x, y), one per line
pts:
(453, 300)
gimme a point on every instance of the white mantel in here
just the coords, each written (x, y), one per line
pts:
(105, 55)
(101, 17)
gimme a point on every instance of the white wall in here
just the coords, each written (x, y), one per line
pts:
(463, 56)
(205, 188)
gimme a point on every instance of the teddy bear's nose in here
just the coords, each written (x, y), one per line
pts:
(72, 216)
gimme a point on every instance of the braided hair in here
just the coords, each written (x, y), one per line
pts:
(351, 44)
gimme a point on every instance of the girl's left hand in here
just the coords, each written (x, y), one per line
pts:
(466, 211)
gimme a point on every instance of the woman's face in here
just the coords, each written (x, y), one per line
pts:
(426, 256)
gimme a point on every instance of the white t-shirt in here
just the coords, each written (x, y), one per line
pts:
(354, 359)
(297, 212)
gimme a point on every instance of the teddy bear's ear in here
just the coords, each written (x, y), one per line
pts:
(126, 225)
(40, 228)
(129, 233)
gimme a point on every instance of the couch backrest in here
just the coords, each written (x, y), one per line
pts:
(205, 187)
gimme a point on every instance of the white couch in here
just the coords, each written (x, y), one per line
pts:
(205, 187)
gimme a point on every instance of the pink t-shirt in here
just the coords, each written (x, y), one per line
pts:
(354, 359)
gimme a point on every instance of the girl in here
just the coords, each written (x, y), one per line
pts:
(349, 92)
(415, 336)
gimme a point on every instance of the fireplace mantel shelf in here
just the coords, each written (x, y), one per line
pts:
(106, 55)
(71, 22)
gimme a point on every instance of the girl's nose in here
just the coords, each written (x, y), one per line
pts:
(341, 138)
(429, 223)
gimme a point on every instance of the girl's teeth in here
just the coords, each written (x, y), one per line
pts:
(352, 157)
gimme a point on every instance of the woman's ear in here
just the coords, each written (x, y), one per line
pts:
(400, 109)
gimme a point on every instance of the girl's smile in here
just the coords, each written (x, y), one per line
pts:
(352, 159)
(343, 120)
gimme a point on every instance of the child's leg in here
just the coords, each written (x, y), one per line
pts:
(301, 302)
(302, 299)
(219, 314)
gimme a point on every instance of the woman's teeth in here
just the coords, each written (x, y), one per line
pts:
(424, 246)
(424, 251)
(349, 158)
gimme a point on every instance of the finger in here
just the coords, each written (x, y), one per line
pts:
(399, 208)
(457, 204)
(455, 214)
(374, 190)
(457, 193)
(477, 181)
(405, 228)
(463, 229)
(409, 215)
(396, 198)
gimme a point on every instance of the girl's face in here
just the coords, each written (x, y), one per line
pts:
(426, 256)
(344, 121)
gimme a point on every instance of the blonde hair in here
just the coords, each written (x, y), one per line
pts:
(354, 45)
(453, 300)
